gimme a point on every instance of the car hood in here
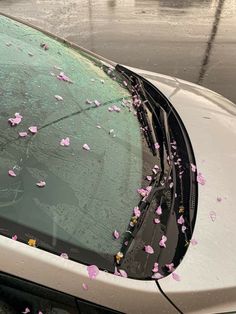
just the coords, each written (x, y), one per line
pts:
(209, 266)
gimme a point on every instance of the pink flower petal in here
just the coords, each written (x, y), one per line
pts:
(159, 210)
(86, 147)
(16, 120)
(155, 268)
(136, 211)
(14, 237)
(63, 77)
(116, 272)
(93, 271)
(148, 249)
(175, 276)
(149, 178)
(193, 168)
(180, 220)
(170, 267)
(116, 234)
(39, 312)
(11, 173)
(157, 276)
(65, 142)
(156, 221)
(200, 179)
(64, 255)
(23, 134)
(212, 215)
(193, 241)
(85, 286)
(33, 129)
(142, 192)
(163, 241)
(123, 273)
(97, 103)
(27, 310)
(157, 146)
(183, 228)
(59, 98)
(41, 184)
(89, 102)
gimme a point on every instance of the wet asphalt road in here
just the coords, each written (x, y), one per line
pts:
(191, 39)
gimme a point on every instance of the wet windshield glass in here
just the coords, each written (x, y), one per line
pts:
(74, 176)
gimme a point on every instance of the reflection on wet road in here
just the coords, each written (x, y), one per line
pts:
(190, 39)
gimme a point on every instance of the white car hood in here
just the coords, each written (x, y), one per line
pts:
(208, 270)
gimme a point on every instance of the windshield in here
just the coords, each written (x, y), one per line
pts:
(74, 180)
(90, 157)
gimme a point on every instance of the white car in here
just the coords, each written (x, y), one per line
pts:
(117, 190)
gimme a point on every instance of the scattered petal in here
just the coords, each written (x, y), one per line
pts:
(142, 192)
(89, 102)
(163, 241)
(33, 129)
(14, 237)
(175, 276)
(193, 241)
(30, 54)
(64, 255)
(180, 220)
(123, 273)
(212, 215)
(85, 286)
(111, 131)
(99, 126)
(149, 178)
(63, 77)
(32, 242)
(86, 147)
(27, 310)
(40, 312)
(102, 81)
(41, 184)
(97, 103)
(11, 173)
(116, 272)
(137, 211)
(125, 83)
(148, 249)
(170, 267)
(116, 234)
(171, 185)
(16, 120)
(200, 179)
(59, 98)
(93, 271)
(183, 228)
(23, 134)
(65, 142)
(155, 268)
(159, 210)
(157, 146)
(157, 276)
(193, 168)
(156, 221)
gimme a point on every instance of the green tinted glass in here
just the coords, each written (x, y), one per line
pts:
(88, 194)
